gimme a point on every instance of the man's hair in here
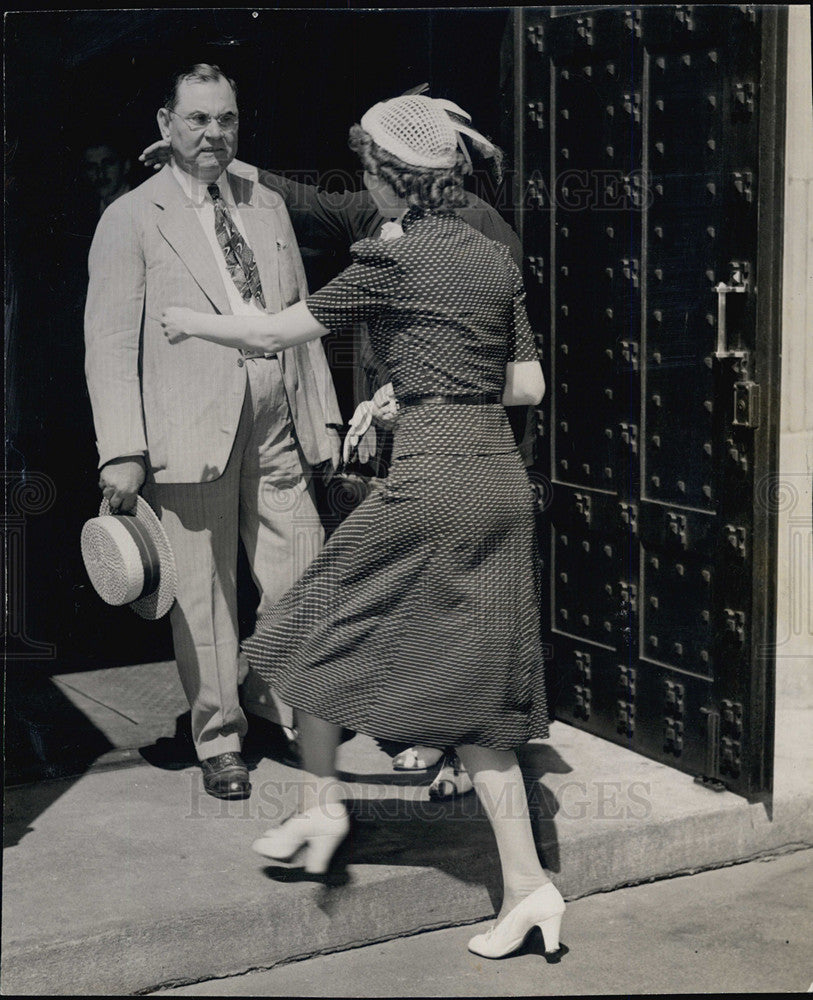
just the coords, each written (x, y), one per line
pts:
(203, 73)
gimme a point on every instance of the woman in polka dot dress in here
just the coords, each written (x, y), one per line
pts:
(419, 621)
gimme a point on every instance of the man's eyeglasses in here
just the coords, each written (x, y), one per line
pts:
(199, 120)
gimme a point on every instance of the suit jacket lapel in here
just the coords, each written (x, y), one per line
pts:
(180, 226)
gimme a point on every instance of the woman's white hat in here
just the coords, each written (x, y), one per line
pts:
(129, 560)
(421, 131)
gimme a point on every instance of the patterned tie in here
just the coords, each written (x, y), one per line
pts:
(239, 259)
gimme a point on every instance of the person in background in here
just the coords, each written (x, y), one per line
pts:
(100, 173)
(106, 170)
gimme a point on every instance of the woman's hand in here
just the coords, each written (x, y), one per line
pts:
(382, 410)
(156, 155)
(178, 323)
(361, 434)
(385, 408)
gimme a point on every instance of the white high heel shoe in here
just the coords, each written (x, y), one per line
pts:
(543, 909)
(316, 833)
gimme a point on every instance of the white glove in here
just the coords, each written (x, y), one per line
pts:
(382, 410)
(361, 434)
(385, 409)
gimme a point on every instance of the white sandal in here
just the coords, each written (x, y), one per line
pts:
(417, 758)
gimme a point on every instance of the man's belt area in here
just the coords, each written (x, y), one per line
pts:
(477, 399)
(250, 355)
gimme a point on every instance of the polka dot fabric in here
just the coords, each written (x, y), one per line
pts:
(419, 621)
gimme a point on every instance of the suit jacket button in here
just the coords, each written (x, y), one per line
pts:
(239, 362)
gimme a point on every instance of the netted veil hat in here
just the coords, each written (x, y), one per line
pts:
(422, 131)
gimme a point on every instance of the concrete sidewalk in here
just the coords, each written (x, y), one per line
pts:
(739, 930)
(129, 878)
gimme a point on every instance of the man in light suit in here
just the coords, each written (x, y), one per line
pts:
(221, 441)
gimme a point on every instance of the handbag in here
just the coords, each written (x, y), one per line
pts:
(348, 487)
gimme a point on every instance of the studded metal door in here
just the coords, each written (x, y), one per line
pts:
(648, 151)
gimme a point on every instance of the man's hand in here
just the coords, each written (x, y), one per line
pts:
(120, 480)
(391, 231)
(178, 323)
(156, 155)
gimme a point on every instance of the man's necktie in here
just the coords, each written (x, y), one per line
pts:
(239, 258)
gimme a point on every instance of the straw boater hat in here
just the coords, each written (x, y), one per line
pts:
(129, 561)
(423, 131)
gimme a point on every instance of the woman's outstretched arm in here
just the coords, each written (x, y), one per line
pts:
(264, 332)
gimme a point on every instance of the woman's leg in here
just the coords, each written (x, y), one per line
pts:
(498, 782)
(320, 822)
(318, 743)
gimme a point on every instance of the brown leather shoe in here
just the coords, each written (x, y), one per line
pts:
(226, 776)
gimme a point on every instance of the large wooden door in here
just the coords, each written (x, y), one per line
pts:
(648, 153)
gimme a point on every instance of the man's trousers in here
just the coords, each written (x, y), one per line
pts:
(266, 495)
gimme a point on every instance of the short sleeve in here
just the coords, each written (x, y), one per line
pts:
(362, 290)
(521, 344)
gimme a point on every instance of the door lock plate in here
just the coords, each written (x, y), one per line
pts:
(746, 404)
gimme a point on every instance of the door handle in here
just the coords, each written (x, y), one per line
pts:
(746, 392)
(739, 283)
